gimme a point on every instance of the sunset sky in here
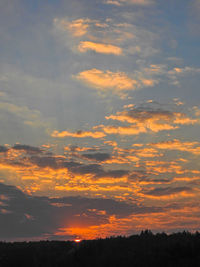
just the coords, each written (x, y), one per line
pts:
(100, 118)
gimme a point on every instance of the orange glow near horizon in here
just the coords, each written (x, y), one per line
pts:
(77, 240)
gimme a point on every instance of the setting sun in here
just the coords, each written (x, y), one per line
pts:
(77, 240)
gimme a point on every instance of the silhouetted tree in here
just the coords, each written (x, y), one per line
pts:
(146, 249)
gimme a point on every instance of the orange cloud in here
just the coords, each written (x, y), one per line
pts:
(168, 218)
(77, 27)
(116, 82)
(100, 48)
(123, 130)
(143, 120)
(168, 192)
(185, 70)
(78, 134)
(186, 179)
(147, 153)
(158, 167)
(107, 80)
(191, 147)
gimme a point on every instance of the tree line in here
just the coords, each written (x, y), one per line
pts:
(143, 250)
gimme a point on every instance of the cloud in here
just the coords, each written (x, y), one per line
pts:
(190, 147)
(123, 130)
(29, 116)
(97, 171)
(3, 149)
(28, 217)
(130, 2)
(107, 80)
(43, 172)
(78, 134)
(142, 120)
(144, 76)
(78, 27)
(73, 148)
(113, 174)
(113, 2)
(158, 167)
(143, 177)
(100, 48)
(28, 149)
(20, 122)
(134, 121)
(47, 161)
(57, 175)
(147, 153)
(167, 191)
(184, 71)
(106, 36)
(37, 171)
(177, 72)
(171, 75)
(97, 156)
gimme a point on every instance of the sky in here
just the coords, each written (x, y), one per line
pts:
(100, 118)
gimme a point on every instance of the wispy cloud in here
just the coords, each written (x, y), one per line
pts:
(168, 192)
(78, 134)
(145, 76)
(78, 27)
(106, 37)
(30, 117)
(190, 147)
(100, 48)
(116, 82)
(130, 2)
(107, 80)
(177, 72)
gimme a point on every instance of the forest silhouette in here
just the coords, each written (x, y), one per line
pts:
(145, 249)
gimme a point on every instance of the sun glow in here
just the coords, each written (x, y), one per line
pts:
(77, 240)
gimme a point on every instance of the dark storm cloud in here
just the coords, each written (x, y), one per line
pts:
(25, 216)
(111, 207)
(43, 162)
(3, 149)
(113, 173)
(56, 162)
(166, 191)
(75, 167)
(139, 174)
(27, 149)
(143, 176)
(98, 171)
(97, 156)
(61, 162)
(70, 164)
(22, 215)
(143, 114)
(87, 169)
